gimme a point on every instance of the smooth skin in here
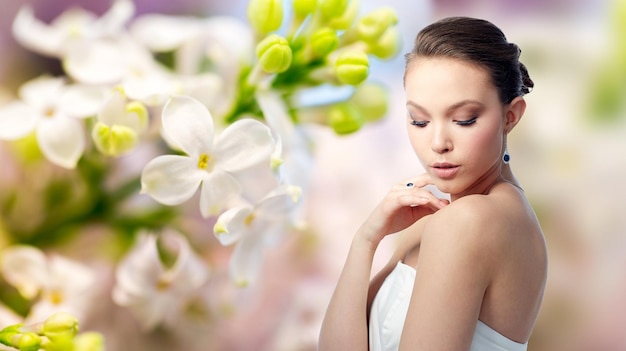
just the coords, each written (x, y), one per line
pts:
(480, 257)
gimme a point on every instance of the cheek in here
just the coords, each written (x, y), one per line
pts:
(418, 144)
(486, 144)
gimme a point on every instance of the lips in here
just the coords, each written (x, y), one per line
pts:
(445, 170)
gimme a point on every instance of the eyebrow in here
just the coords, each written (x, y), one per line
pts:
(451, 108)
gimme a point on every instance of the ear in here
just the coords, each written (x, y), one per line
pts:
(513, 113)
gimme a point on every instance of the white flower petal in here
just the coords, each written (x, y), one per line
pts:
(81, 100)
(71, 277)
(113, 110)
(189, 125)
(280, 203)
(26, 269)
(96, 62)
(171, 179)
(75, 22)
(247, 259)
(152, 89)
(17, 120)
(276, 115)
(230, 225)
(296, 153)
(8, 317)
(243, 144)
(219, 188)
(189, 271)
(36, 35)
(139, 270)
(229, 38)
(115, 18)
(61, 140)
(208, 88)
(137, 282)
(162, 32)
(42, 93)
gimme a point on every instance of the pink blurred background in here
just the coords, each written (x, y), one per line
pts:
(570, 162)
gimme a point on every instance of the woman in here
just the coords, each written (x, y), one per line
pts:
(468, 274)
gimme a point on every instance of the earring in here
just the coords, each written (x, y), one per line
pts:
(506, 158)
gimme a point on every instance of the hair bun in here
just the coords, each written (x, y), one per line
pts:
(527, 83)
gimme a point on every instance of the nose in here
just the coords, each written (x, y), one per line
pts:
(440, 142)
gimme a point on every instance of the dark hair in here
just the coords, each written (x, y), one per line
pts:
(480, 42)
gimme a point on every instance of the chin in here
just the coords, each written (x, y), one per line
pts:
(447, 186)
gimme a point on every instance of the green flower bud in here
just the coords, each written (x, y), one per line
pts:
(375, 23)
(388, 45)
(60, 326)
(323, 41)
(345, 21)
(62, 344)
(90, 341)
(115, 140)
(9, 334)
(265, 15)
(28, 342)
(371, 101)
(333, 8)
(303, 8)
(344, 119)
(352, 67)
(274, 54)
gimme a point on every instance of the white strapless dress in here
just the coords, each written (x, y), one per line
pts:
(390, 307)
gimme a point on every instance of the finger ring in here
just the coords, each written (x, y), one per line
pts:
(410, 185)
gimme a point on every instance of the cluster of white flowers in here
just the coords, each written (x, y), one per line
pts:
(221, 102)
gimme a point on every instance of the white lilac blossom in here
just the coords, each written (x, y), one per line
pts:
(97, 50)
(73, 27)
(293, 157)
(254, 228)
(155, 292)
(223, 43)
(53, 110)
(53, 282)
(112, 61)
(119, 125)
(210, 161)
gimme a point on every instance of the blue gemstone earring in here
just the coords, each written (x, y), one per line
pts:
(506, 158)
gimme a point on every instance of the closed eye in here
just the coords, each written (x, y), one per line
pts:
(420, 124)
(467, 122)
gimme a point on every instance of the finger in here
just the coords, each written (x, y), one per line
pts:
(417, 182)
(423, 197)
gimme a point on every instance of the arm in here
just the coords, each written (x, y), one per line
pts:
(453, 272)
(345, 324)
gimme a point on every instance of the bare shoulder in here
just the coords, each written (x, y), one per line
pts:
(473, 217)
(485, 225)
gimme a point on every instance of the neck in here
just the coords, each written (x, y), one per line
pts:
(508, 176)
(484, 184)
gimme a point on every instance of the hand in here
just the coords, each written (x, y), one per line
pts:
(401, 207)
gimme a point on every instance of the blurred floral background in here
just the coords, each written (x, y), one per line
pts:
(147, 268)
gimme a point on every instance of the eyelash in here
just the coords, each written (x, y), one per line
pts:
(420, 124)
(465, 123)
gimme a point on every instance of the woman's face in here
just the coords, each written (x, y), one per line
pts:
(455, 123)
